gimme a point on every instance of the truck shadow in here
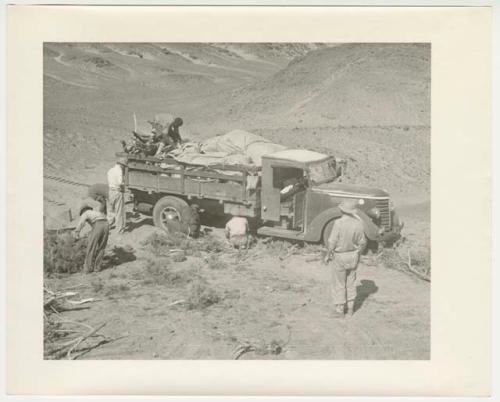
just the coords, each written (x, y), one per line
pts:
(134, 222)
(363, 291)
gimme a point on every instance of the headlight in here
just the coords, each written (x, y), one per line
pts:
(374, 213)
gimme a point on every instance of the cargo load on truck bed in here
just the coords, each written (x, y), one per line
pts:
(226, 169)
(237, 147)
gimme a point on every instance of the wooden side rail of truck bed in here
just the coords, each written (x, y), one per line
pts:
(148, 182)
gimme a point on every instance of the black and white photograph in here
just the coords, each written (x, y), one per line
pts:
(236, 201)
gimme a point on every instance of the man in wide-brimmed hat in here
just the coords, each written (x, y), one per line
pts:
(345, 244)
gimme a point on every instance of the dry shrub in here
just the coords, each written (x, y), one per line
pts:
(159, 272)
(63, 253)
(178, 256)
(421, 260)
(209, 244)
(277, 247)
(201, 295)
(404, 258)
(97, 285)
(213, 261)
(161, 244)
(115, 288)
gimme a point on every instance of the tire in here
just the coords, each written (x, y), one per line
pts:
(173, 214)
(326, 231)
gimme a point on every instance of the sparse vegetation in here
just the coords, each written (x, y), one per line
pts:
(99, 62)
(164, 244)
(114, 289)
(63, 253)
(159, 271)
(416, 261)
(201, 295)
(213, 261)
(97, 285)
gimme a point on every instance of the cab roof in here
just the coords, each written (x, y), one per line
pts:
(298, 155)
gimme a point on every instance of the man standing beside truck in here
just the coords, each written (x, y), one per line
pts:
(345, 243)
(117, 194)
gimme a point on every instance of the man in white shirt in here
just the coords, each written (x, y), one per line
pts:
(117, 194)
(237, 232)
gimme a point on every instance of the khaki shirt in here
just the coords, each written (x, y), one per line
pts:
(347, 235)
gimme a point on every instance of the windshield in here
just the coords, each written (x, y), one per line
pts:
(322, 172)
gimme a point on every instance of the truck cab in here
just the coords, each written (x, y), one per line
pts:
(300, 195)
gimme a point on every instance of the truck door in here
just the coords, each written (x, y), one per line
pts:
(270, 194)
(299, 202)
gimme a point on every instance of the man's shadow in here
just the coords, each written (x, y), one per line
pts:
(364, 290)
(119, 255)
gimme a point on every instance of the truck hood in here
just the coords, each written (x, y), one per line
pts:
(350, 190)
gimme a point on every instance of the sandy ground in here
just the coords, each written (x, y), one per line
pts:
(263, 301)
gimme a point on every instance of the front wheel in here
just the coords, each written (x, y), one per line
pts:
(173, 214)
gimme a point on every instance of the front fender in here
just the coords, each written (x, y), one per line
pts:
(315, 228)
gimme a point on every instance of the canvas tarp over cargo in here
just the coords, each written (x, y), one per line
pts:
(240, 147)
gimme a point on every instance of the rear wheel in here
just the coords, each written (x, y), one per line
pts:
(173, 214)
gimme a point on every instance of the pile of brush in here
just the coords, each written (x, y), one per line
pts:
(65, 338)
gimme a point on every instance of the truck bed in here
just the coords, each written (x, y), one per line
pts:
(226, 184)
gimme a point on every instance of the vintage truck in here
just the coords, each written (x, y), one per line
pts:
(293, 195)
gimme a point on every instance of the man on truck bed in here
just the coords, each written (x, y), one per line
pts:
(171, 138)
(117, 194)
(347, 241)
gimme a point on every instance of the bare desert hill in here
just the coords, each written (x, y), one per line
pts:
(348, 85)
(368, 103)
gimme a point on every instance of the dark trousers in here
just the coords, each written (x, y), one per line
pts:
(96, 246)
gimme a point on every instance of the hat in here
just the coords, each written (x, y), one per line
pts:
(122, 161)
(177, 122)
(348, 207)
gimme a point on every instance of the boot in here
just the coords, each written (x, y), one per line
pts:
(339, 311)
(350, 308)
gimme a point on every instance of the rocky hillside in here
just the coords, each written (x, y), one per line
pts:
(369, 103)
(347, 85)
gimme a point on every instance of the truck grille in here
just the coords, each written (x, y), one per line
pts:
(385, 213)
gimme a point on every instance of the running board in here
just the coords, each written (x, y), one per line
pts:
(280, 232)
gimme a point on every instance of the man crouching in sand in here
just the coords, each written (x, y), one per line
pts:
(345, 244)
